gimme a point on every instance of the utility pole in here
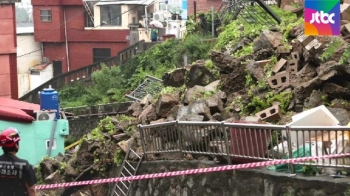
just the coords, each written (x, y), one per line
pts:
(8, 49)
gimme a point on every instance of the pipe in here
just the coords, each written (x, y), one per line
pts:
(65, 37)
(49, 150)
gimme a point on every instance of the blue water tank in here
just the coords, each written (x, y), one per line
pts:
(49, 100)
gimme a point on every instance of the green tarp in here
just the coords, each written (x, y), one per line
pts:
(297, 168)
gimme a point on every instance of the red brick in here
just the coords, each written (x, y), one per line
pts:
(202, 6)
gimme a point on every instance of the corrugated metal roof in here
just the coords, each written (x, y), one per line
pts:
(18, 111)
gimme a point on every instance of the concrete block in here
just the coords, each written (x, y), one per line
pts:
(270, 114)
(295, 56)
(314, 44)
(278, 80)
(345, 11)
(293, 66)
(279, 65)
(305, 39)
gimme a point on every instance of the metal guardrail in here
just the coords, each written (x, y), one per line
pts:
(84, 73)
(100, 109)
(252, 142)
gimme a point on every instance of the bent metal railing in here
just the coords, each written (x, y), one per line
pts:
(247, 142)
(84, 73)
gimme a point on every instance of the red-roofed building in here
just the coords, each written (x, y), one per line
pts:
(17, 111)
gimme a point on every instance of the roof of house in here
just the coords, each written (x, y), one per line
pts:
(24, 28)
(18, 111)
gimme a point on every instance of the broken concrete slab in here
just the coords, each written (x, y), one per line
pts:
(262, 62)
(279, 65)
(345, 11)
(278, 80)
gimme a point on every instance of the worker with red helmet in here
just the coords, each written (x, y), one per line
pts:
(17, 177)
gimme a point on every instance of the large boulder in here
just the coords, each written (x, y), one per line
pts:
(135, 109)
(165, 103)
(267, 39)
(147, 115)
(200, 107)
(198, 75)
(224, 62)
(175, 78)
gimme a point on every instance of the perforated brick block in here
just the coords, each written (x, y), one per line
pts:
(305, 39)
(293, 66)
(312, 44)
(295, 56)
(270, 114)
(279, 65)
(278, 80)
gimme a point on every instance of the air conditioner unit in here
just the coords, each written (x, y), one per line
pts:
(45, 115)
(158, 16)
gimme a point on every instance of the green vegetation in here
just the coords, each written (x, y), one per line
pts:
(310, 170)
(332, 47)
(111, 84)
(119, 157)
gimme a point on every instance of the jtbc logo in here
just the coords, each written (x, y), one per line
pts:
(324, 17)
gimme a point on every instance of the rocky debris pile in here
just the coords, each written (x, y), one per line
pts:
(99, 155)
(282, 76)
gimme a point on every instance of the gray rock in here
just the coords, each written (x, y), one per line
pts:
(316, 99)
(341, 115)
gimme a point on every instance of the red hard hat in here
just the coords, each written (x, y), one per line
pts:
(9, 137)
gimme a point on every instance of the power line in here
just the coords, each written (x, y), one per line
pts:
(57, 26)
(81, 33)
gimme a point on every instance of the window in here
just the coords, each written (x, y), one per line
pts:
(111, 15)
(101, 54)
(45, 15)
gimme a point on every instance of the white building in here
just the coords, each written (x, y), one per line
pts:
(32, 70)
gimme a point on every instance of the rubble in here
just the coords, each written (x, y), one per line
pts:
(262, 87)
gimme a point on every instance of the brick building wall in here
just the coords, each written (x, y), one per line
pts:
(8, 56)
(202, 6)
(81, 41)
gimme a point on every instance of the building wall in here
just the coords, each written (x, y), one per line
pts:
(202, 6)
(80, 54)
(26, 44)
(8, 60)
(37, 80)
(48, 31)
(34, 136)
(81, 40)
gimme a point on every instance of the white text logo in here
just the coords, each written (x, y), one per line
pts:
(322, 18)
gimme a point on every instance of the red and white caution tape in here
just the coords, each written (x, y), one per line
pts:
(188, 172)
